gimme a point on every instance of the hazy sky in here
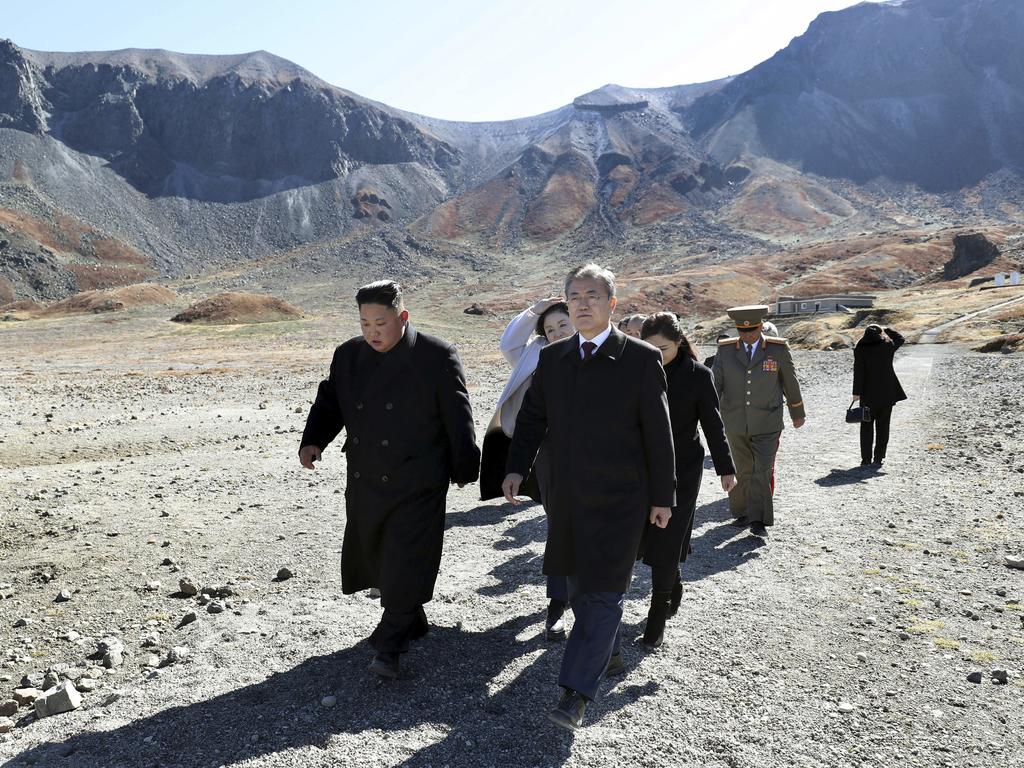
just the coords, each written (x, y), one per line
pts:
(456, 59)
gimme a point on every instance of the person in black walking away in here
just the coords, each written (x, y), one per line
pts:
(401, 397)
(692, 399)
(876, 386)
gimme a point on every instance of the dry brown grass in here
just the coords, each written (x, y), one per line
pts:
(92, 277)
(236, 307)
(116, 299)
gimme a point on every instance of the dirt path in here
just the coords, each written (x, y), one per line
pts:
(874, 593)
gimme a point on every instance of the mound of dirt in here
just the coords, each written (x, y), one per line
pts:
(816, 334)
(111, 300)
(1013, 342)
(237, 307)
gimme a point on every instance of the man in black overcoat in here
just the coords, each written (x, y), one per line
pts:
(599, 398)
(401, 397)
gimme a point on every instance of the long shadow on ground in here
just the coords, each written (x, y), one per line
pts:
(450, 684)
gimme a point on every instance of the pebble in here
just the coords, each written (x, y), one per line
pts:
(6, 724)
(904, 635)
(328, 701)
(872, 620)
(87, 684)
(152, 586)
(177, 654)
(974, 677)
(22, 622)
(861, 656)
(215, 607)
(111, 698)
(8, 708)
(1000, 676)
(151, 640)
(63, 596)
(26, 695)
(846, 707)
(188, 618)
(285, 573)
(64, 698)
(188, 587)
(1014, 562)
(151, 660)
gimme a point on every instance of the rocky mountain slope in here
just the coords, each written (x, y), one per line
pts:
(881, 117)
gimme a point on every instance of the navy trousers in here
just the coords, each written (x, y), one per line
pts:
(558, 588)
(593, 639)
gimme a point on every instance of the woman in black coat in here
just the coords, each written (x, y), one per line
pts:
(692, 398)
(876, 386)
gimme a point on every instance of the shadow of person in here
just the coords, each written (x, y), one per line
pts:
(836, 477)
(525, 532)
(484, 514)
(480, 697)
(523, 568)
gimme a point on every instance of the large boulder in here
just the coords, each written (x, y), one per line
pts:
(970, 253)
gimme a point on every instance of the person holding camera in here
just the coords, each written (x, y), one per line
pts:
(877, 388)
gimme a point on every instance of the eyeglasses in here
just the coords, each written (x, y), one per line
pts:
(576, 299)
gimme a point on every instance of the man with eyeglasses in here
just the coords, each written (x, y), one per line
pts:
(598, 399)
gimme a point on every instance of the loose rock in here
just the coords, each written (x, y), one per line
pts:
(285, 573)
(64, 698)
(974, 677)
(188, 587)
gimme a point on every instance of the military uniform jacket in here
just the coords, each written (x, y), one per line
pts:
(751, 392)
(609, 446)
(409, 433)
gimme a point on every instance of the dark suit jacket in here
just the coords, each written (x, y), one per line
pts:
(409, 433)
(873, 376)
(609, 445)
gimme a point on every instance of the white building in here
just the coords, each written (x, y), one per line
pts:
(791, 305)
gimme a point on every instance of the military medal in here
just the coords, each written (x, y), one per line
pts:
(770, 366)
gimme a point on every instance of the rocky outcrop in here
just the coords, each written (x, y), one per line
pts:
(923, 91)
(167, 130)
(970, 253)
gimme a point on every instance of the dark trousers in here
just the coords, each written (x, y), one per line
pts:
(397, 628)
(754, 456)
(878, 430)
(593, 639)
(558, 588)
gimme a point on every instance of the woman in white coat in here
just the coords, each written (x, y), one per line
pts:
(529, 332)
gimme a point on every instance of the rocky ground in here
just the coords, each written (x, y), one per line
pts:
(136, 453)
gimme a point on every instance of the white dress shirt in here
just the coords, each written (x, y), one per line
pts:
(598, 340)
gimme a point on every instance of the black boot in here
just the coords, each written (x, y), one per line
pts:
(554, 624)
(654, 632)
(677, 597)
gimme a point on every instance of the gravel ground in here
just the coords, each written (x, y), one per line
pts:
(134, 455)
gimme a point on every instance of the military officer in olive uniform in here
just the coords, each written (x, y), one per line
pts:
(752, 373)
(401, 397)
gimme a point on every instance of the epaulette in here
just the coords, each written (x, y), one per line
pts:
(733, 340)
(776, 340)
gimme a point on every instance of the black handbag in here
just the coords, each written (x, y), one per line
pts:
(858, 414)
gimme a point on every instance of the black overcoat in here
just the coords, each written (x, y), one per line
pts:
(873, 376)
(609, 447)
(692, 400)
(409, 433)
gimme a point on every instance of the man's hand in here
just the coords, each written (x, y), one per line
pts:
(660, 516)
(728, 482)
(797, 423)
(544, 304)
(510, 487)
(308, 454)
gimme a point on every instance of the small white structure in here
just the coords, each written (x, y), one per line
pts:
(1007, 278)
(790, 305)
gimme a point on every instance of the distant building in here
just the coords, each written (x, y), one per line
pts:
(791, 305)
(1007, 278)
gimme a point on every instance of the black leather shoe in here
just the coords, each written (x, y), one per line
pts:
(385, 664)
(677, 598)
(740, 522)
(758, 529)
(654, 631)
(554, 624)
(568, 713)
(616, 666)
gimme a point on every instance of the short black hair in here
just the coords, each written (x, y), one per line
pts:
(559, 307)
(387, 293)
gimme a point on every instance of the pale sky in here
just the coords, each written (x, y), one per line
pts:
(454, 59)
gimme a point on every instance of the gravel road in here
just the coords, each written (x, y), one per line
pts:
(134, 455)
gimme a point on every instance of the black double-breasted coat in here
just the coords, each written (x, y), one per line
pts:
(409, 433)
(874, 378)
(609, 447)
(692, 401)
